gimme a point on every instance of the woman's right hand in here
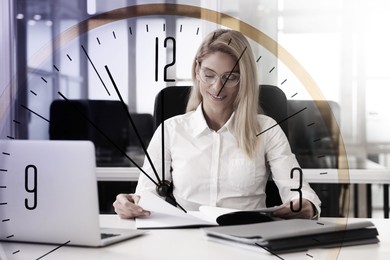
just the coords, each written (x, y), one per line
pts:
(126, 206)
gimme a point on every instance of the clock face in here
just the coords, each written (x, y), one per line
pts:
(164, 55)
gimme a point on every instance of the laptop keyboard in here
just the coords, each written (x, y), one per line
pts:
(107, 235)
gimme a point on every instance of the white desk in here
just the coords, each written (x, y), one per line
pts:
(192, 244)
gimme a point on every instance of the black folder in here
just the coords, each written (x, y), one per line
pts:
(298, 234)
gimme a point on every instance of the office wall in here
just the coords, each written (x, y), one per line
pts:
(6, 66)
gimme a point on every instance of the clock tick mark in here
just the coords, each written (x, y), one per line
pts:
(130, 30)
(311, 124)
(5, 220)
(3, 187)
(67, 55)
(113, 34)
(230, 41)
(309, 255)
(164, 27)
(316, 140)
(322, 173)
(147, 28)
(97, 39)
(5, 153)
(197, 31)
(11, 236)
(284, 81)
(271, 70)
(44, 79)
(10, 137)
(294, 95)
(16, 122)
(32, 92)
(319, 223)
(3, 170)
(258, 59)
(17, 251)
(320, 156)
(181, 27)
(55, 67)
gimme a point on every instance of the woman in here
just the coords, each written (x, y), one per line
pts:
(213, 153)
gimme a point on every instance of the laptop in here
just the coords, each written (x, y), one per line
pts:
(49, 194)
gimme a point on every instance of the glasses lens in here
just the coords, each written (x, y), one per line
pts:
(208, 77)
(231, 79)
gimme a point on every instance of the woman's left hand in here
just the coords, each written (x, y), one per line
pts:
(307, 210)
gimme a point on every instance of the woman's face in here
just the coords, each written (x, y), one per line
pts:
(214, 70)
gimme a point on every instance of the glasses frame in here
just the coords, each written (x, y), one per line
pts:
(219, 77)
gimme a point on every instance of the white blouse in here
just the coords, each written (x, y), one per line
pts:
(208, 167)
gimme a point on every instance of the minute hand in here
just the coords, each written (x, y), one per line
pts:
(230, 73)
(281, 121)
(133, 125)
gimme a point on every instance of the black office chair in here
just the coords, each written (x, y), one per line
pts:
(314, 139)
(68, 122)
(175, 102)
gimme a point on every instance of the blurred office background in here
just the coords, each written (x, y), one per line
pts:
(343, 44)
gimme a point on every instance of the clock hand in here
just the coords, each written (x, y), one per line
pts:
(90, 61)
(108, 138)
(230, 73)
(269, 251)
(51, 251)
(163, 188)
(132, 124)
(281, 121)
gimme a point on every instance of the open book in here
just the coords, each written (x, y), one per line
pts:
(164, 215)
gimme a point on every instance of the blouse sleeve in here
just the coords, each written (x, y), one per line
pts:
(283, 165)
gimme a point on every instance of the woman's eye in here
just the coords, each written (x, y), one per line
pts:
(231, 77)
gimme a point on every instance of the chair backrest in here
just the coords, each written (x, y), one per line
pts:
(176, 97)
(272, 100)
(68, 122)
(314, 134)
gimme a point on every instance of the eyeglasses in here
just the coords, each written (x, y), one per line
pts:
(228, 79)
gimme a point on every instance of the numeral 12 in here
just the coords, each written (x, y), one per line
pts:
(167, 39)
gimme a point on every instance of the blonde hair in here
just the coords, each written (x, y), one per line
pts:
(246, 104)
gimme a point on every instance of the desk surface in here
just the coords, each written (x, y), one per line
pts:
(192, 244)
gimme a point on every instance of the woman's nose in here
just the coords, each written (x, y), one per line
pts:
(217, 86)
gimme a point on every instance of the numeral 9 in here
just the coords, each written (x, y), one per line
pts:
(31, 169)
(298, 189)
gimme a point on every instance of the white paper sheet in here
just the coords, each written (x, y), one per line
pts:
(164, 215)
